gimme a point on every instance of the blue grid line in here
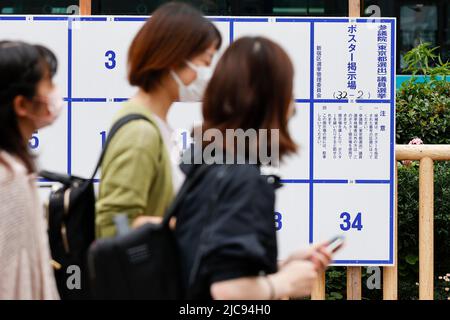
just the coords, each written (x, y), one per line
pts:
(86, 99)
(372, 181)
(50, 18)
(69, 95)
(362, 262)
(311, 136)
(392, 125)
(249, 19)
(310, 20)
(294, 181)
(13, 18)
(130, 19)
(231, 32)
(102, 19)
(120, 99)
(330, 101)
(330, 181)
(373, 101)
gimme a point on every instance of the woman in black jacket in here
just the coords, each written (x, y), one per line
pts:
(226, 230)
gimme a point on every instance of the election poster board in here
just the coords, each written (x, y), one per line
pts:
(341, 182)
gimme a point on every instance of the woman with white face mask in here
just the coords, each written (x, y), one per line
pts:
(28, 102)
(169, 60)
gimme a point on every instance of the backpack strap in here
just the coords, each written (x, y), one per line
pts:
(116, 126)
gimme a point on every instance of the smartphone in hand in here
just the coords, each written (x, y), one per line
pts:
(335, 244)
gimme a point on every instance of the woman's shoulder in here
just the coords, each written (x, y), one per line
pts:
(15, 181)
(139, 134)
(11, 168)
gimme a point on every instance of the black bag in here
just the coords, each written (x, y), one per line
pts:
(144, 263)
(71, 223)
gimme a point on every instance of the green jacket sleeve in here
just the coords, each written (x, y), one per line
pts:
(128, 170)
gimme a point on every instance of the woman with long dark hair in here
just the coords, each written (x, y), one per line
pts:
(225, 229)
(28, 102)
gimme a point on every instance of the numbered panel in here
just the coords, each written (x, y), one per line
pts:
(88, 136)
(50, 145)
(294, 38)
(361, 214)
(351, 138)
(52, 34)
(297, 166)
(362, 70)
(292, 218)
(99, 58)
(182, 118)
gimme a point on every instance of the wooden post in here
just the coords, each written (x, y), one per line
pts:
(353, 283)
(426, 216)
(85, 7)
(354, 8)
(354, 273)
(318, 292)
(390, 274)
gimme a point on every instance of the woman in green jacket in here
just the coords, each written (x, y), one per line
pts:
(169, 60)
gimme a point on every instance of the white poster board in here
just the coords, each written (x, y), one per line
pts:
(341, 181)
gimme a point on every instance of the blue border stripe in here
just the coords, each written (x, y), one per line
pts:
(311, 135)
(69, 96)
(393, 162)
(330, 181)
(372, 181)
(294, 181)
(341, 101)
(89, 100)
(330, 101)
(95, 99)
(311, 20)
(51, 18)
(372, 20)
(372, 101)
(231, 32)
(348, 262)
(13, 18)
(219, 19)
(89, 19)
(249, 19)
(130, 19)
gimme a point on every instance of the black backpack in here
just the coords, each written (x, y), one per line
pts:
(144, 263)
(71, 224)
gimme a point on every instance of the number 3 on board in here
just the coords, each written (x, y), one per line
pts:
(278, 221)
(111, 63)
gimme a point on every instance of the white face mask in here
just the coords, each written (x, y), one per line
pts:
(195, 91)
(54, 104)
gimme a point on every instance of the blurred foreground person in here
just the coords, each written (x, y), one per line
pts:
(28, 102)
(168, 61)
(225, 230)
